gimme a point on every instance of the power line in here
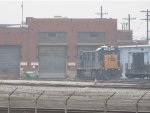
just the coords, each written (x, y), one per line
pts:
(147, 19)
(139, 25)
(129, 20)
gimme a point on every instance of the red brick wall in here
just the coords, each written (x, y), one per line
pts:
(123, 37)
(28, 40)
(71, 26)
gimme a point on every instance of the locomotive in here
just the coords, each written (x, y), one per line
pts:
(138, 68)
(102, 63)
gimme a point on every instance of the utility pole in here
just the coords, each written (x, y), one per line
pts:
(101, 12)
(147, 19)
(22, 14)
(129, 20)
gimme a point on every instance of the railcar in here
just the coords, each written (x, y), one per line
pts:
(102, 63)
(138, 68)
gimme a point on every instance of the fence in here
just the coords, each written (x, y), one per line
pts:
(67, 98)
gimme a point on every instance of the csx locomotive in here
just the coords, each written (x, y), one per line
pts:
(102, 63)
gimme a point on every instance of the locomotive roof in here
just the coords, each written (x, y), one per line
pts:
(97, 49)
(128, 46)
(102, 47)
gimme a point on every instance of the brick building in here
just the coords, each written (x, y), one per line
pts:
(52, 46)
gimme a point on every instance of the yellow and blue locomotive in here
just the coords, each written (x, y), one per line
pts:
(102, 63)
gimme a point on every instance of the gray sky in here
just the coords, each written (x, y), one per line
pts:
(11, 11)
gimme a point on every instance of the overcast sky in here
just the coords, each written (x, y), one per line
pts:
(11, 11)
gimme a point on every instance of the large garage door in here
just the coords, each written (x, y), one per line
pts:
(52, 61)
(9, 60)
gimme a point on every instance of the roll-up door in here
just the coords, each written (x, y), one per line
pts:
(9, 60)
(52, 61)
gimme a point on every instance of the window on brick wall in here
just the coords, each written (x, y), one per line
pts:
(90, 37)
(52, 37)
(51, 34)
(93, 34)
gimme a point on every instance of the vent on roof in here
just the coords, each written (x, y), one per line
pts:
(57, 16)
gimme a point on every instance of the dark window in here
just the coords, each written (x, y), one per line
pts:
(84, 56)
(80, 57)
(90, 37)
(52, 37)
(88, 56)
(93, 56)
(51, 34)
(93, 35)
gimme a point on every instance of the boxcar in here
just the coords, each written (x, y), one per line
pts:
(137, 69)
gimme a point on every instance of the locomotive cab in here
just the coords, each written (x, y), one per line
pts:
(111, 63)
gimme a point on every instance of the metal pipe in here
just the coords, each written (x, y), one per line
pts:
(66, 101)
(105, 110)
(137, 103)
(66, 65)
(101, 12)
(147, 14)
(36, 100)
(9, 99)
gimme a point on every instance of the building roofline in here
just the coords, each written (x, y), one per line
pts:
(66, 18)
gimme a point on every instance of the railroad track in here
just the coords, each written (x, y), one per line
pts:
(133, 84)
(31, 110)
